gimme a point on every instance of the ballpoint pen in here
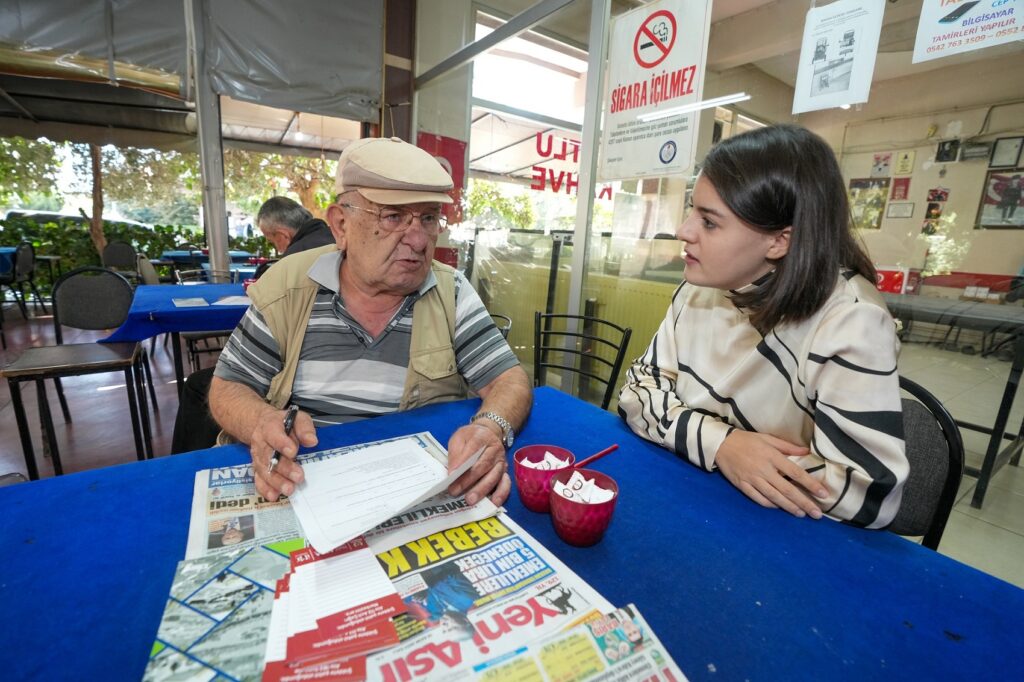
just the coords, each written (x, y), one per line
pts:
(289, 424)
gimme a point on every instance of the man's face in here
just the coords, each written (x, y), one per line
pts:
(279, 237)
(376, 260)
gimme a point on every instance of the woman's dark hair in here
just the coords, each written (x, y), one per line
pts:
(781, 176)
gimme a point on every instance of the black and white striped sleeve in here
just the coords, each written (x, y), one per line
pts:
(858, 449)
(251, 356)
(650, 403)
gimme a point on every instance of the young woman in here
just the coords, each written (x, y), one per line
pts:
(776, 362)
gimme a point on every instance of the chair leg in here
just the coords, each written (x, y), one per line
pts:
(47, 420)
(140, 391)
(3, 338)
(19, 297)
(39, 297)
(63, 401)
(23, 432)
(149, 379)
(129, 383)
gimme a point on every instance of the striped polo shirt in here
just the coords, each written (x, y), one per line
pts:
(828, 383)
(344, 374)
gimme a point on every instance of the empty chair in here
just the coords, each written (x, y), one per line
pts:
(205, 341)
(85, 298)
(122, 257)
(22, 273)
(202, 275)
(503, 323)
(586, 346)
(936, 454)
(147, 273)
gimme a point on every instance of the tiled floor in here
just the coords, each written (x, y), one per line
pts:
(991, 539)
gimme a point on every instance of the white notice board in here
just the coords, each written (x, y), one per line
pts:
(656, 61)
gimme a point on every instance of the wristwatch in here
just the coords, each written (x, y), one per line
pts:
(508, 434)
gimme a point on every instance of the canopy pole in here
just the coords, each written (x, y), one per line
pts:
(600, 10)
(211, 151)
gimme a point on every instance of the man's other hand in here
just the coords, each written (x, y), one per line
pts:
(488, 476)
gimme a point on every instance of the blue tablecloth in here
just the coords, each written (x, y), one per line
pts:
(7, 258)
(186, 257)
(733, 590)
(153, 311)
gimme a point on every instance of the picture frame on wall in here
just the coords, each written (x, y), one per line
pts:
(867, 201)
(1006, 152)
(947, 151)
(900, 209)
(1002, 203)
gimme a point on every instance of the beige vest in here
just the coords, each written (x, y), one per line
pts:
(285, 296)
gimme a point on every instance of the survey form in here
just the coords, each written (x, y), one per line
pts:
(345, 495)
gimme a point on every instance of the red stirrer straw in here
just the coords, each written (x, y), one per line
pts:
(608, 450)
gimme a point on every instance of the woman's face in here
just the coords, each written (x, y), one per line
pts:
(721, 250)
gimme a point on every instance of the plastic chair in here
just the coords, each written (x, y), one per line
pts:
(85, 298)
(583, 350)
(503, 323)
(22, 273)
(936, 454)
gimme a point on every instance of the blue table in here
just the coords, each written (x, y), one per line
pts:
(198, 257)
(239, 271)
(7, 258)
(153, 312)
(733, 590)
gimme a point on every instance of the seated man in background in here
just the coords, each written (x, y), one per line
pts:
(371, 325)
(290, 227)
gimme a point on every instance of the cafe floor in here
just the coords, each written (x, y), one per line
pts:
(990, 539)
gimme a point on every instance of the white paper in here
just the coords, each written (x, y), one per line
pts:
(837, 59)
(189, 302)
(343, 496)
(234, 300)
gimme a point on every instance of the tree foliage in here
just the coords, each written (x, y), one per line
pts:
(165, 187)
(252, 177)
(27, 168)
(492, 210)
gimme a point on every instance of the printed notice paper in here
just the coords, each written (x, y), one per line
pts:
(346, 495)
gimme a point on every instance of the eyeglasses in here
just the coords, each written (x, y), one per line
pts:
(399, 220)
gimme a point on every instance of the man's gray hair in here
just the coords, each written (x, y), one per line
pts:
(282, 212)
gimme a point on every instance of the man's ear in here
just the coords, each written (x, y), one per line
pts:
(336, 221)
(780, 244)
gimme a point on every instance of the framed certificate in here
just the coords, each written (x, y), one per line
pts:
(900, 209)
(1006, 152)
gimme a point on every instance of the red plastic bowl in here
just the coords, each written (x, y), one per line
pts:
(579, 523)
(534, 485)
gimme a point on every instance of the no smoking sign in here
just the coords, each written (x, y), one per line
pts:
(654, 39)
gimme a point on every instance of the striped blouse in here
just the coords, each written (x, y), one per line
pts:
(828, 383)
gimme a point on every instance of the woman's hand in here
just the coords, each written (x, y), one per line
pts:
(759, 465)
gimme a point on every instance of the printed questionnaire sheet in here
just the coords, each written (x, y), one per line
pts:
(346, 495)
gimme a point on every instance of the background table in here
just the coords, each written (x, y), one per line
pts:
(733, 590)
(988, 318)
(7, 258)
(153, 312)
(197, 257)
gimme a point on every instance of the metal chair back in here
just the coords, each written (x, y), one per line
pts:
(935, 451)
(503, 323)
(90, 297)
(583, 344)
(120, 255)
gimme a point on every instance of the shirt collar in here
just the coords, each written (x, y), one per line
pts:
(326, 272)
(755, 285)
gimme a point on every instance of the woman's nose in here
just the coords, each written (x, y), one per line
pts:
(685, 230)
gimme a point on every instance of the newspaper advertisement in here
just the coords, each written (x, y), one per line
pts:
(617, 646)
(473, 592)
(228, 513)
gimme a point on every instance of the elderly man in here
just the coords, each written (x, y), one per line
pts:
(290, 227)
(370, 326)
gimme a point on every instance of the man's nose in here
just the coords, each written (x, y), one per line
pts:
(415, 235)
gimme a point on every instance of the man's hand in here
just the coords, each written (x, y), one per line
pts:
(487, 476)
(759, 465)
(268, 436)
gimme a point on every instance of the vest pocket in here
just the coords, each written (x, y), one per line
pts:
(434, 363)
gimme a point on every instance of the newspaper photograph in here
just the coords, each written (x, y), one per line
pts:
(616, 647)
(228, 513)
(475, 591)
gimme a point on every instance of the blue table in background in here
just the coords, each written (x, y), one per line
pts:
(7, 258)
(153, 312)
(733, 590)
(198, 257)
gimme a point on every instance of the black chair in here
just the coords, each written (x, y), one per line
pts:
(503, 323)
(21, 274)
(122, 258)
(194, 427)
(936, 454)
(85, 298)
(583, 350)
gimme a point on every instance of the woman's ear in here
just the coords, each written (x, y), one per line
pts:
(780, 244)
